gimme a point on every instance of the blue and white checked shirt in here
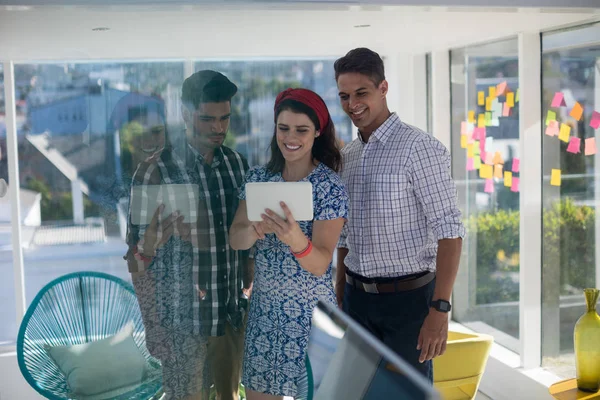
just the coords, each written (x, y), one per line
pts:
(402, 201)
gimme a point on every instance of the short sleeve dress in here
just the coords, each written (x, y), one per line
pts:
(284, 294)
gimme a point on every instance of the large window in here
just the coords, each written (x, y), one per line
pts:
(485, 165)
(571, 186)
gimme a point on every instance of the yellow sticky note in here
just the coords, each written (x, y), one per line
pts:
(555, 177)
(510, 99)
(550, 117)
(470, 149)
(463, 141)
(498, 171)
(480, 98)
(481, 121)
(471, 116)
(492, 91)
(577, 111)
(488, 104)
(507, 178)
(517, 96)
(498, 158)
(486, 171)
(488, 118)
(565, 133)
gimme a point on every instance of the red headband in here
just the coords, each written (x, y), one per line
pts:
(308, 98)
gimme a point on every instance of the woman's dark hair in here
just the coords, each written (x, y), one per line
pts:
(325, 148)
(363, 61)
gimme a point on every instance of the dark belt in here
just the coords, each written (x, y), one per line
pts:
(398, 285)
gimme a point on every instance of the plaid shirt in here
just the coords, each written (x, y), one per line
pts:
(216, 268)
(402, 201)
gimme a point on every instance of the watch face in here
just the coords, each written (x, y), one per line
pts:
(442, 305)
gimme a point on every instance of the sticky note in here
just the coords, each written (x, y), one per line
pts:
(483, 155)
(558, 100)
(463, 128)
(492, 91)
(482, 145)
(476, 163)
(481, 121)
(488, 118)
(517, 96)
(471, 118)
(552, 128)
(507, 178)
(501, 88)
(498, 171)
(515, 165)
(595, 122)
(574, 145)
(489, 143)
(480, 98)
(471, 150)
(590, 146)
(576, 111)
(463, 141)
(510, 99)
(489, 158)
(486, 172)
(476, 131)
(550, 117)
(488, 104)
(515, 185)
(506, 110)
(555, 177)
(476, 147)
(470, 164)
(498, 158)
(489, 186)
(565, 132)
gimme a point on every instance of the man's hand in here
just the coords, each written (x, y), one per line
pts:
(261, 229)
(160, 231)
(433, 335)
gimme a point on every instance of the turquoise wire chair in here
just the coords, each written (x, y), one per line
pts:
(79, 308)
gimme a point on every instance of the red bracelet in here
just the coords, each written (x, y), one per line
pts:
(304, 252)
(140, 256)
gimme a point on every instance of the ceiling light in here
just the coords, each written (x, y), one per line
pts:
(362, 26)
(101, 29)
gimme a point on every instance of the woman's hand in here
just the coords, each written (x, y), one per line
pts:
(288, 230)
(160, 230)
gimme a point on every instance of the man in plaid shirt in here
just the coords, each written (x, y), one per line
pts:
(188, 280)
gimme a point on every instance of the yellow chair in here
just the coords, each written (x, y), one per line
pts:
(456, 374)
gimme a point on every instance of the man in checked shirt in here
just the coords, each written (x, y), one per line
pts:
(188, 280)
(399, 252)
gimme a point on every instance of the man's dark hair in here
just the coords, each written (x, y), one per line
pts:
(363, 61)
(206, 87)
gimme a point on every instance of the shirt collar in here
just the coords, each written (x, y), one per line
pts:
(197, 157)
(385, 130)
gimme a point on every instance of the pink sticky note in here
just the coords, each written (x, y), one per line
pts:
(477, 133)
(483, 155)
(489, 186)
(574, 145)
(515, 185)
(482, 146)
(515, 166)
(506, 110)
(501, 88)
(489, 158)
(463, 128)
(552, 128)
(470, 164)
(590, 146)
(595, 122)
(558, 100)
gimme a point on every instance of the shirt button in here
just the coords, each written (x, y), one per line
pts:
(221, 223)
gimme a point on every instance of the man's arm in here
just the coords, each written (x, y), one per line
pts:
(448, 259)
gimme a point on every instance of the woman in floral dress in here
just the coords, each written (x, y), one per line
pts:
(292, 259)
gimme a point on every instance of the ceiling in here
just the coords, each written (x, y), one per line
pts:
(247, 30)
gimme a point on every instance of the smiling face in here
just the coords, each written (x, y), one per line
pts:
(363, 101)
(295, 136)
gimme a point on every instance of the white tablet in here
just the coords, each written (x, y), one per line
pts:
(262, 195)
(145, 199)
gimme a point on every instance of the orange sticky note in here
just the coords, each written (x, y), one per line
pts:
(498, 158)
(590, 146)
(471, 118)
(463, 141)
(510, 99)
(480, 98)
(501, 88)
(506, 110)
(555, 177)
(507, 178)
(486, 171)
(498, 171)
(576, 111)
(492, 91)
(481, 121)
(488, 104)
(565, 133)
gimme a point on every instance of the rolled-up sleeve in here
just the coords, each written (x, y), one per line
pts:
(435, 189)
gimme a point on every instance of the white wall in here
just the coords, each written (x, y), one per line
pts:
(12, 384)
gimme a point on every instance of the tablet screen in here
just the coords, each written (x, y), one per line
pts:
(262, 195)
(145, 199)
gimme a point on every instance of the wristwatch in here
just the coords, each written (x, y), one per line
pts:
(441, 305)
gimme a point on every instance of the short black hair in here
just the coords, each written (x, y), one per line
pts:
(363, 61)
(206, 86)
